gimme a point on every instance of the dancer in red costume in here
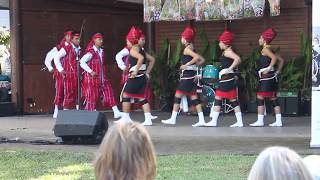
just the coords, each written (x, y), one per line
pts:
(66, 63)
(268, 81)
(227, 87)
(58, 99)
(95, 82)
(187, 85)
(136, 83)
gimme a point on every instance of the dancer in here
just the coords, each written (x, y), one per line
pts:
(58, 99)
(122, 59)
(227, 88)
(267, 88)
(136, 83)
(66, 63)
(187, 85)
(95, 83)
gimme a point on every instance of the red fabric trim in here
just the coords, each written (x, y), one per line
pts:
(267, 94)
(232, 94)
(138, 96)
(186, 93)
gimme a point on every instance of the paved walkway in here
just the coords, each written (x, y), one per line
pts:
(181, 138)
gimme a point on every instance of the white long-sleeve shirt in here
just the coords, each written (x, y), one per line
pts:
(87, 57)
(62, 53)
(119, 58)
(50, 56)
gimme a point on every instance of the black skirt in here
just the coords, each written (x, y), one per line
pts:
(226, 83)
(269, 85)
(187, 86)
(135, 87)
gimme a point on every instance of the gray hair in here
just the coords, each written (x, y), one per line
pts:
(279, 163)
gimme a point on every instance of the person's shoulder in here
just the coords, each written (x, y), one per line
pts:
(135, 47)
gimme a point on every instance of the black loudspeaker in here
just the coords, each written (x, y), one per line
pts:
(81, 127)
(290, 105)
(7, 109)
(308, 2)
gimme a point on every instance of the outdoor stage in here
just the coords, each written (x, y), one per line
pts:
(181, 138)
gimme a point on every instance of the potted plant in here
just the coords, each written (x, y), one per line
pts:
(248, 72)
(295, 78)
(165, 74)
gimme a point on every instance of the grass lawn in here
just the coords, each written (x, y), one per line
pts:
(35, 164)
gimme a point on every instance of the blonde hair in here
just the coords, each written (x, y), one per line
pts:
(126, 153)
(279, 163)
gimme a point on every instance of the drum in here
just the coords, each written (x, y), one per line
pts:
(210, 74)
(207, 97)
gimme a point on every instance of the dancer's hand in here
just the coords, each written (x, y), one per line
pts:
(134, 74)
(267, 70)
(224, 71)
(148, 75)
(93, 74)
(183, 67)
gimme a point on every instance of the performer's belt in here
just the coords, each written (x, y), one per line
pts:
(226, 79)
(143, 67)
(191, 68)
(188, 69)
(192, 77)
(140, 73)
(266, 77)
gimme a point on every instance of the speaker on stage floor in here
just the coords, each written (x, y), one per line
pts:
(81, 127)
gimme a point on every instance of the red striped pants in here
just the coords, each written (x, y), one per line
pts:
(70, 91)
(95, 90)
(58, 99)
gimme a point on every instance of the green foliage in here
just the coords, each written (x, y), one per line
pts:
(292, 76)
(5, 38)
(164, 75)
(248, 69)
(210, 52)
(296, 74)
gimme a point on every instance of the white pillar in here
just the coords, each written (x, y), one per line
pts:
(315, 98)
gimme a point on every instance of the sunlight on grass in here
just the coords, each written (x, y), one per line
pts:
(76, 171)
(65, 165)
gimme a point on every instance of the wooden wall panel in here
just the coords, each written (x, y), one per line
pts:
(42, 28)
(294, 19)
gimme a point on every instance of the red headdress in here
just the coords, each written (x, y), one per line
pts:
(268, 35)
(227, 37)
(91, 43)
(68, 32)
(133, 35)
(141, 34)
(188, 34)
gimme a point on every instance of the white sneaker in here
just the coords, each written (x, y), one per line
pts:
(257, 124)
(276, 124)
(147, 123)
(212, 123)
(117, 115)
(153, 117)
(169, 121)
(123, 120)
(211, 111)
(237, 124)
(55, 115)
(199, 124)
